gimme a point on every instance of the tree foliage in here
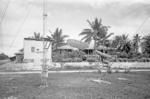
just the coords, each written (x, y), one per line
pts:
(58, 38)
(3, 56)
(37, 36)
(136, 41)
(96, 31)
(122, 43)
(146, 44)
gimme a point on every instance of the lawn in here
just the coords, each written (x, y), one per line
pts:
(135, 85)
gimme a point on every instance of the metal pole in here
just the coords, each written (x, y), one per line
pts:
(44, 73)
(1, 36)
(44, 18)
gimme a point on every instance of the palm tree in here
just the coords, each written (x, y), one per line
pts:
(37, 36)
(58, 38)
(146, 44)
(127, 47)
(136, 41)
(97, 32)
(119, 41)
(116, 41)
(124, 44)
(123, 40)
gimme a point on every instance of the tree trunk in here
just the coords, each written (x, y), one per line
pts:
(99, 58)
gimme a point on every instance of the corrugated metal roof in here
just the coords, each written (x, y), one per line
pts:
(67, 47)
(77, 44)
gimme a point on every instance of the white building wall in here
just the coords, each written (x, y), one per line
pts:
(140, 48)
(37, 55)
(28, 44)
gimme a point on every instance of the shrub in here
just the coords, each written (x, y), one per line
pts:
(3, 56)
(133, 60)
(119, 59)
(91, 60)
(148, 59)
(67, 60)
(72, 67)
(81, 54)
(127, 70)
(123, 55)
(99, 71)
(77, 59)
(84, 58)
(56, 57)
(109, 70)
(117, 70)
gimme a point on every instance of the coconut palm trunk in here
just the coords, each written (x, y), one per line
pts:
(99, 69)
(96, 31)
(95, 47)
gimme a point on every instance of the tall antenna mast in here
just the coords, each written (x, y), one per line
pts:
(44, 20)
(44, 74)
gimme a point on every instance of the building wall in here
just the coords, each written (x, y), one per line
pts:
(19, 58)
(33, 50)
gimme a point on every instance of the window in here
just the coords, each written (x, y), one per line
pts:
(32, 49)
(37, 50)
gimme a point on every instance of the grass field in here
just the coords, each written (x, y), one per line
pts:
(77, 86)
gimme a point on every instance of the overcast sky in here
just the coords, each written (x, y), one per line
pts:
(24, 17)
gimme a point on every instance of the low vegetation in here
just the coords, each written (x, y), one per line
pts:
(3, 56)
(76, 86)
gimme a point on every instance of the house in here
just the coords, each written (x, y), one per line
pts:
(19, 57)
(33, 51)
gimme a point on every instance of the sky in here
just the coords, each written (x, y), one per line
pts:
(21, 18)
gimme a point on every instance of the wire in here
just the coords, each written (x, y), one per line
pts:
(3, 16)
(4, 12)
(19, 29)
(142, 24)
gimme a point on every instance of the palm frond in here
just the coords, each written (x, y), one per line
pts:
(86, 32)
(86, 37)
(109, 35)
(90, 23)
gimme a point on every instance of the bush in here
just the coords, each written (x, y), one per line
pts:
(58, 58)
(99, 71)
(133, 60)
(84, 58)
(123, 55)
(68, 67)
(143, 60)
(148, 59)
(91, 60)
(125, 59)
(72, 67)
(119, 59)
(77, 60)
(67, 60)
(117, 70)
(81, 54)
(127, 70)
(109, 70)
(3, 56)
